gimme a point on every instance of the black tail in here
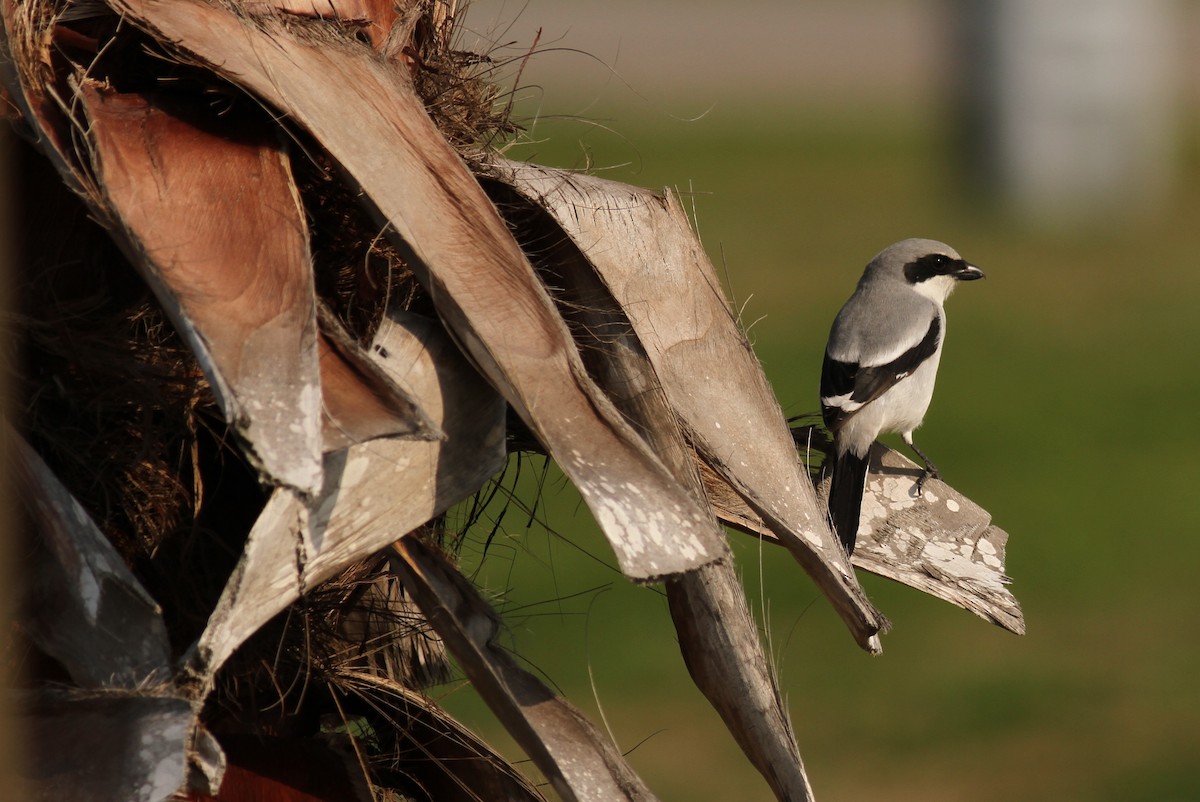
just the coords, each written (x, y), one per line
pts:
(845, 497)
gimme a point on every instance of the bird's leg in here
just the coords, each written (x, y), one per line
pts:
(931, 471)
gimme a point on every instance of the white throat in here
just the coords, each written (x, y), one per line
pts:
(936, 289)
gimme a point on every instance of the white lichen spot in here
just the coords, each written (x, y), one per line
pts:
(303, 471)
(162, 768)
(884, 496)
(931, 497)
(812, 539)
(988, 553)
(952, 505)
(309, 405)
(637, 532)
(356, 469)
(89, 594)
(690, 551)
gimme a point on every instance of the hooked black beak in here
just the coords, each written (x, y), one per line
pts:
(968, 272)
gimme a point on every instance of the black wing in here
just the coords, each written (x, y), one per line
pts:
(864, 385)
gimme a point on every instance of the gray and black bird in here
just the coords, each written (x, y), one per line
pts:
(881, 363)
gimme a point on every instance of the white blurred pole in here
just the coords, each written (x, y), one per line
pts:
(1073, 103)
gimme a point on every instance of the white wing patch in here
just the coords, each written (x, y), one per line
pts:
(841, 402)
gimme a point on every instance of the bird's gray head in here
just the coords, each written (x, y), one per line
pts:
(930, 267)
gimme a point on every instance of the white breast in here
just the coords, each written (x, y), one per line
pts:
(901, 409)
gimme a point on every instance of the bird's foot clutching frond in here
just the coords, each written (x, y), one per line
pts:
(931, 470)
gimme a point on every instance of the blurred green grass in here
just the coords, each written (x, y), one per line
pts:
(1066, 406)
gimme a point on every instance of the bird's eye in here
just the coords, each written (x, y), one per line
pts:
(939, 259)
